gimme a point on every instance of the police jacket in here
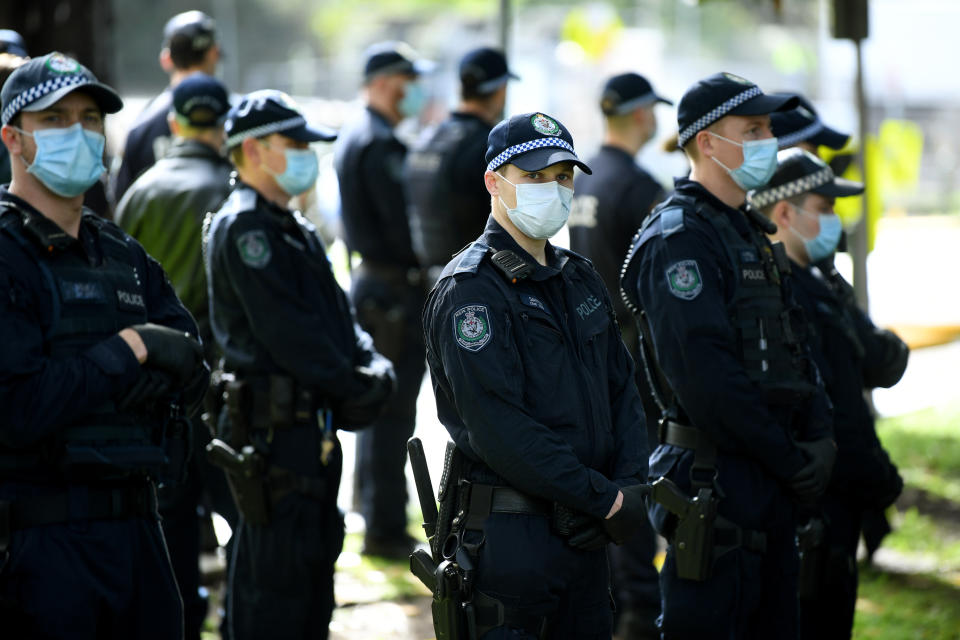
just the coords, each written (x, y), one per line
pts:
(531, 378)
(275, 307)
(62, 302)
(164, 210)
(146, 141)
(852, 354)
(369, 162)
(448, 200)
(608, 208)
(719, 315)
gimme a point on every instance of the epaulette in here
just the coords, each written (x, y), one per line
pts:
(240, 200)
(573, 255)
(466, 261)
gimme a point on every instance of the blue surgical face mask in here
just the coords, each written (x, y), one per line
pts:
(68, 161)
(301, 172)
(542, 208)
(414, 99)
(759, 162)
(825, 242)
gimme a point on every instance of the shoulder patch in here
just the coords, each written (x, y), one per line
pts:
(683, 279)
(671, 221)
(254, 249)
(471, 327)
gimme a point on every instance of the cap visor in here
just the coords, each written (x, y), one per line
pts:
(542, 158)
(421, 66)
(830, 138)
(663, 100)
(105, 97)
(310, 133)
(840, 188)
(762, 105)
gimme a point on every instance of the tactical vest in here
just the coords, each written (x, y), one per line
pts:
(768, 328)
(89, 305)
(442, 220)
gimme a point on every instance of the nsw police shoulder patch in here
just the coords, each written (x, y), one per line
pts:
(471, 327)
(254, 249)
(683, 279)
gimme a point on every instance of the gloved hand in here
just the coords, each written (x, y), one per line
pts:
(150, 385)
(361, 409)
(626, 522)
(812, 479)
(172, 351)
(196, 390)
(589, 534)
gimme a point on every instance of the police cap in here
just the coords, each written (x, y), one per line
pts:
(802, 124)
(724, 94)
(394, 58)
(189, 33)
(40, 82)
(799, 172)
(531, 141)
(625, 92)
(268, 111)
(201, 100)
(12, 42)
(485, 70)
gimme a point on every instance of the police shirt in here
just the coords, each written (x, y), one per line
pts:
(608, 208)
(686, 282)
(40, 394)
(275, 307)
(531, 379)
(369, 162)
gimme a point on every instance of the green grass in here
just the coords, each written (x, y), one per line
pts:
(906, 607)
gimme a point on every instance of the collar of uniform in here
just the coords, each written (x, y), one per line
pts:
(87, 237)
(496, 236)
(463, 115)
(618, 152)
(697, 190)
(262, 203)
(379, 117)
(184, 148)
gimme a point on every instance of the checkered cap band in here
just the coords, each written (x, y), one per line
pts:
(265, 130)
(34, 93)
(761, 199)
(799, 135)
(504, 156)
(716, 113)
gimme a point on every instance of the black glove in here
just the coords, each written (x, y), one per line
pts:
(887, 484)
(150, 385)
(361, 409)
(170, 350)
(195, 390)
(589, 535)
(626, 522)
(812, 479)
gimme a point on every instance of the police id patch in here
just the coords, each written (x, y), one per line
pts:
(254, 249)
(471, 327)
(684, 279)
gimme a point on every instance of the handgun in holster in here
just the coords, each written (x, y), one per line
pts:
(694, 534)
(811, 543)
(246, 475)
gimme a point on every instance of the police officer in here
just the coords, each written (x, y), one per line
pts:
(301, 368)
(802, 127)
(536, 389)
(746, 427)
(448, 202)
(164, 210)
(852, 355)
(8, 62)
(608, 208)
(100, 360)
(189, 45)
(388, 288)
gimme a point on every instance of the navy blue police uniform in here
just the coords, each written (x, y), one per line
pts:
(608, 208)
(81, 544)
(721, 335)
(387, 291)
(537, 392)
(852, 355)
(289, 340)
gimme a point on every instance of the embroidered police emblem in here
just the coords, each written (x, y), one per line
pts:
(545, 125)
(471, 327)
(59, 63)
(254, 249)
(736, 78)
(684, 279)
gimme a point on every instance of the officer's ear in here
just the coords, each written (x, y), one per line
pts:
(166, 61)
(251, 152)
(781, 214)
(11, 140)
(490, 180)
(704, 143)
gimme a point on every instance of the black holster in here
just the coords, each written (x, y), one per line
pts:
(246, 476)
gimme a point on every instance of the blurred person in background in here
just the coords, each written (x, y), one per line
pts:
(388, 287)
(852, 355)
(189, 45)
(448, 202)
(8, 62)
(608, 208)
(164, 209)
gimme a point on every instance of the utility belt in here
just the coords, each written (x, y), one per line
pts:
(75, 504)
(394, 274)
(267, 402)
(700, 535)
